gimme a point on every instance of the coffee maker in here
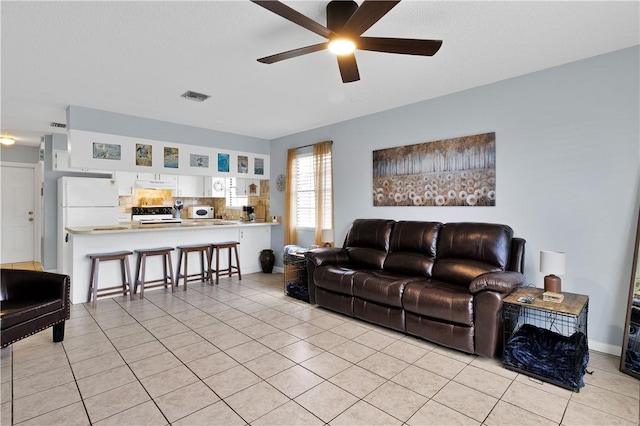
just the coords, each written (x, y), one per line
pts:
(247, 214)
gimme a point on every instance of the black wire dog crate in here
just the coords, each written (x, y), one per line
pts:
(295, 276)
(547, 340)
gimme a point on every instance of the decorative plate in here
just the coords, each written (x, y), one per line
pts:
(281, 182)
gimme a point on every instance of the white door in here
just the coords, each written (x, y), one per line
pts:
(18, 214)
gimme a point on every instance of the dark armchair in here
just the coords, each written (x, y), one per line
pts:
(31, 301)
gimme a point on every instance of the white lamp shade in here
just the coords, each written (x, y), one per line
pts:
(327, 235)
(552, 262)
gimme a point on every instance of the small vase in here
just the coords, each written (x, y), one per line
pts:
(267, 260)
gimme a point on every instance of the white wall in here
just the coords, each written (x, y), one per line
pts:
(567, 153)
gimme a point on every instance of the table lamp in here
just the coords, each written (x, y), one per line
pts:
(327, 237)
(552, 262)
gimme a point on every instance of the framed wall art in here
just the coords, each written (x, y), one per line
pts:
(450, 172)
(243, 164)
(171, 157)
(196, 160)
(107, 151)
(223, 163)
(258, 166)
(144, 155)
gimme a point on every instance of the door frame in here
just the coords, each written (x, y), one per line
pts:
(38, 204)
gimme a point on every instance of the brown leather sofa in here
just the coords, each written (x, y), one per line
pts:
(441, 282)
(31, 301)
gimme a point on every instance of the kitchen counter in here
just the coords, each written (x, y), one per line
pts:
(186, 224)
(82, 241)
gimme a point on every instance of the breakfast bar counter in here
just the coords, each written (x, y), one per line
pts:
(82, 241)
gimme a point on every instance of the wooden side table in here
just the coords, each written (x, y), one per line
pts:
(565, 321)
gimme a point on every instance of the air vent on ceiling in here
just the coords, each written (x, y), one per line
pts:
(59, 125)
(195, 96)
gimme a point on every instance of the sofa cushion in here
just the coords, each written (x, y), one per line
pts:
(412, 248)
(466, 250)
(440, 300)
(380, 287)
(461, 271)
(367, 242)
(14, 312)
(334, 278)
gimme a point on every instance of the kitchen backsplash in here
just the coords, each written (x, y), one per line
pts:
(163, 197)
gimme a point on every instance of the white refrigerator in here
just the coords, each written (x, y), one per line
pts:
(83, 202)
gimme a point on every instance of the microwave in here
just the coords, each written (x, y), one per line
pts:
(200, 212)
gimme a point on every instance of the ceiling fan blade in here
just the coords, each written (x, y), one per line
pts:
(369, 12)
(293, 53)
(294, 16)
(348, 68)
(406, 46)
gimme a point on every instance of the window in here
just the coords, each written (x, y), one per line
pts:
(235, 196)
(305, 192)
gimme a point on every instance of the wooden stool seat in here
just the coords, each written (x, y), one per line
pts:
(231, 269)
(203, 249)
(167, 268)
(96, 258)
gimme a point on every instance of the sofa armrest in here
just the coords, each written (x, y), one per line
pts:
(501, 282)
(327, 256)
(27, 285)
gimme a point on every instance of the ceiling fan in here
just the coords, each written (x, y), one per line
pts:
(345, 23)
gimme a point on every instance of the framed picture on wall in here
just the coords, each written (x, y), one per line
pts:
(197, 160)
(144, 155)
(106, 151)
(243, 164)
(171, 158)
(223, 162)
(450, 172)
(258, 166)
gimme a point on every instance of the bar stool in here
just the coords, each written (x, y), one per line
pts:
(230, 270)
(123, 257)
(167, 268)
(203, 249)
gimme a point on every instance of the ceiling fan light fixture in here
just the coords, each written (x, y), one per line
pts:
(6, 140)
(342, 46)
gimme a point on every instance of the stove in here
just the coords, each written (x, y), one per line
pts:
(153, 215)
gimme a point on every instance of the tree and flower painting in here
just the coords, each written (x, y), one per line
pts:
(450, 172)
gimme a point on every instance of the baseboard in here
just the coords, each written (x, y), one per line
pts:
(605, 348)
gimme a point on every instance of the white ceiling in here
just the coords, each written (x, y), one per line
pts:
(137, 58)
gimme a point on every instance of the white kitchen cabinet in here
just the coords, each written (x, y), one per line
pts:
(214, 187)
(61, 163)
(192, 186)
(252, 241)
(252, 187)
(158, 176)
(248, 187)
(126, 182)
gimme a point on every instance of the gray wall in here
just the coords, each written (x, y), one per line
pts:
(20, 154)
(567, 153)
(94, 120)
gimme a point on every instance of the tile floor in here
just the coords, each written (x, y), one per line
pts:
(243, 353)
